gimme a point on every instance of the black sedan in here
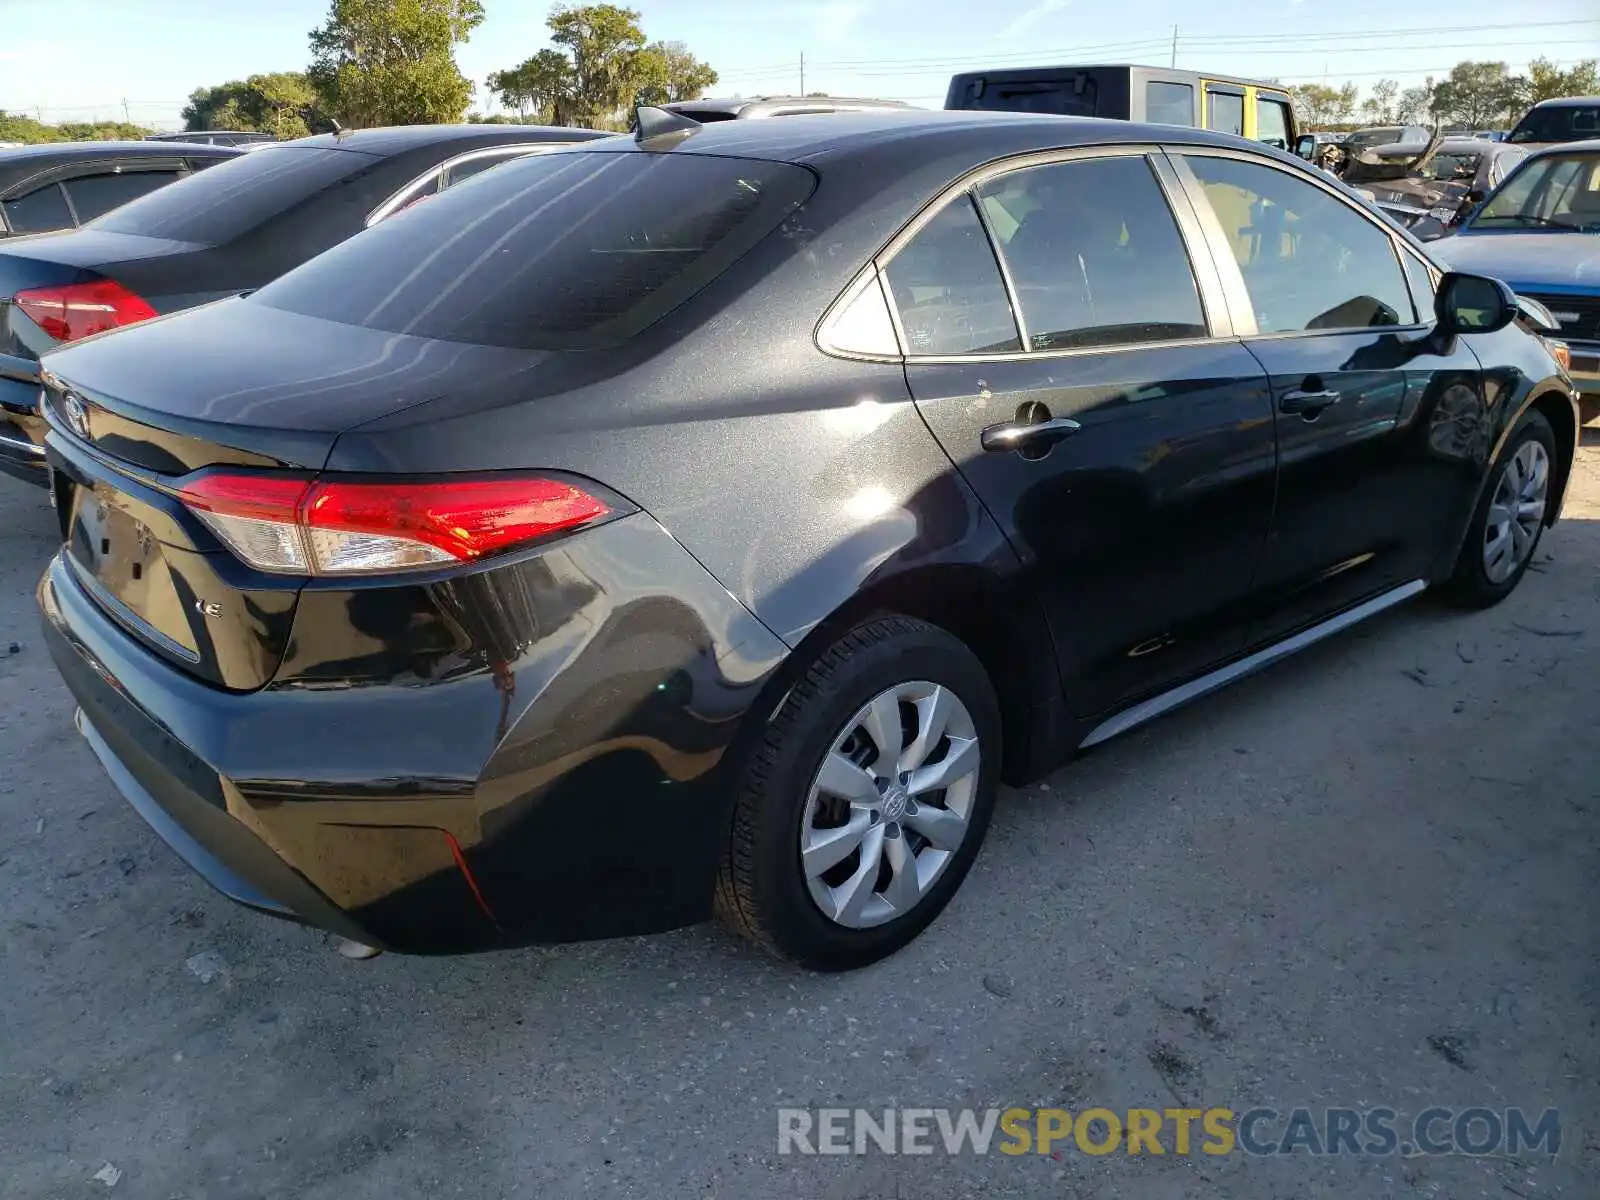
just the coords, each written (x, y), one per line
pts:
(61, 185)
(216, 235)
(708, 521)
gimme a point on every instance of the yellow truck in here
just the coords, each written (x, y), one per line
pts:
(1159, 95)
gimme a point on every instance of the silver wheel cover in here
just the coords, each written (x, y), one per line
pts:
(890, 805)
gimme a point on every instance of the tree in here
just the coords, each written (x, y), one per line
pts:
(1380, 107)
(608, 63)
(283, 104)
(1547, 81)
(672, 74)
(541, 87)
(601, 66)
(1479, 94)
(18, 127)
(1415, 104)
(1317, 104)
(392, 62)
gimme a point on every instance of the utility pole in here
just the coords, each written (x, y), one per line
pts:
(125, 115)
(1174, 62)
(802, 72)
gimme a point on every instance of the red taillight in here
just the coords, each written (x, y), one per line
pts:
(343, 527)
(79, 309)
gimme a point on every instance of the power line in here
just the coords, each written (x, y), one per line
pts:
(1208, 41)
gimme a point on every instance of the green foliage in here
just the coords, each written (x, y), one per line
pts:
(1317, 105)
(1546, 81)
(540, 88)
(602, 67)
(1381, 107)
(1479, 94)
(17, 127)
(668, 72)
(392, 62)
(283, 104)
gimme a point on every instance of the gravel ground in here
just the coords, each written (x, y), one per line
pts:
(1364, 878)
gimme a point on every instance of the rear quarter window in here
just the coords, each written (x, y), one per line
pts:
(232, 198)
(554, 251)
(95, 195)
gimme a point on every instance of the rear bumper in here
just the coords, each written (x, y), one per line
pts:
(580, 796)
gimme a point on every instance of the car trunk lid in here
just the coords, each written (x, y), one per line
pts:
(135, 415)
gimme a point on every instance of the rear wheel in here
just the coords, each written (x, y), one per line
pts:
(1510, 517)
(864, 804)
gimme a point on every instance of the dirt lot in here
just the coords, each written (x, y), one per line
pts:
(1366, 878)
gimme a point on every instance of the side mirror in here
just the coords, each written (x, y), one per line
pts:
(1473, 304)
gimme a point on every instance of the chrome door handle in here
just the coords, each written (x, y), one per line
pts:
(1033, 435)
(1307, 402)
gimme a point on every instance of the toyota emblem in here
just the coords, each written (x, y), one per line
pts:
(77, 414)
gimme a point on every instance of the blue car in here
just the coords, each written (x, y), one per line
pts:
(1540, 232)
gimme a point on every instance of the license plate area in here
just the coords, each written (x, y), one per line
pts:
(125, 566)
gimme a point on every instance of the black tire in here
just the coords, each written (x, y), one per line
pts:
(761, 889)
(1469, 585)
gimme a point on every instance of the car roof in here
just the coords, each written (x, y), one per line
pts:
(1460, 144)
(1568, 102)
(1014, 74)
(179, 135)
(739, 103)
(976, 134)
(1587, 146)
(18, 163)
(77, 150)
(397, 139)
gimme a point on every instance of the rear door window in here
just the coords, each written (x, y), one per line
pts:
(1272, 122)
(553, 251)
(236, 196)
(95, 195)
(1225, 112)
(947, 288)
(1169, 103)
(1096, 257)
(39, 211)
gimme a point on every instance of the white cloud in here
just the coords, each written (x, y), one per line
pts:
(1026, 19)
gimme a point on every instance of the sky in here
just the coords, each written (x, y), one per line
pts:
(144, 57)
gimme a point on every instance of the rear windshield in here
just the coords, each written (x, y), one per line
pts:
(233, 197)
(1558, 123)
(558, 251)
(1072, 94)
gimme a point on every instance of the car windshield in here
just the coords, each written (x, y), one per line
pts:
(1364, 139)
(1558, 123)
(1446, 167)
(1556, 191)
(562, 251)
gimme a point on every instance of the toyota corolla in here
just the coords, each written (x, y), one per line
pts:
(708, 521)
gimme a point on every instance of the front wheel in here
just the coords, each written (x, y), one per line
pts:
(1509, 519)
(865, 802)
